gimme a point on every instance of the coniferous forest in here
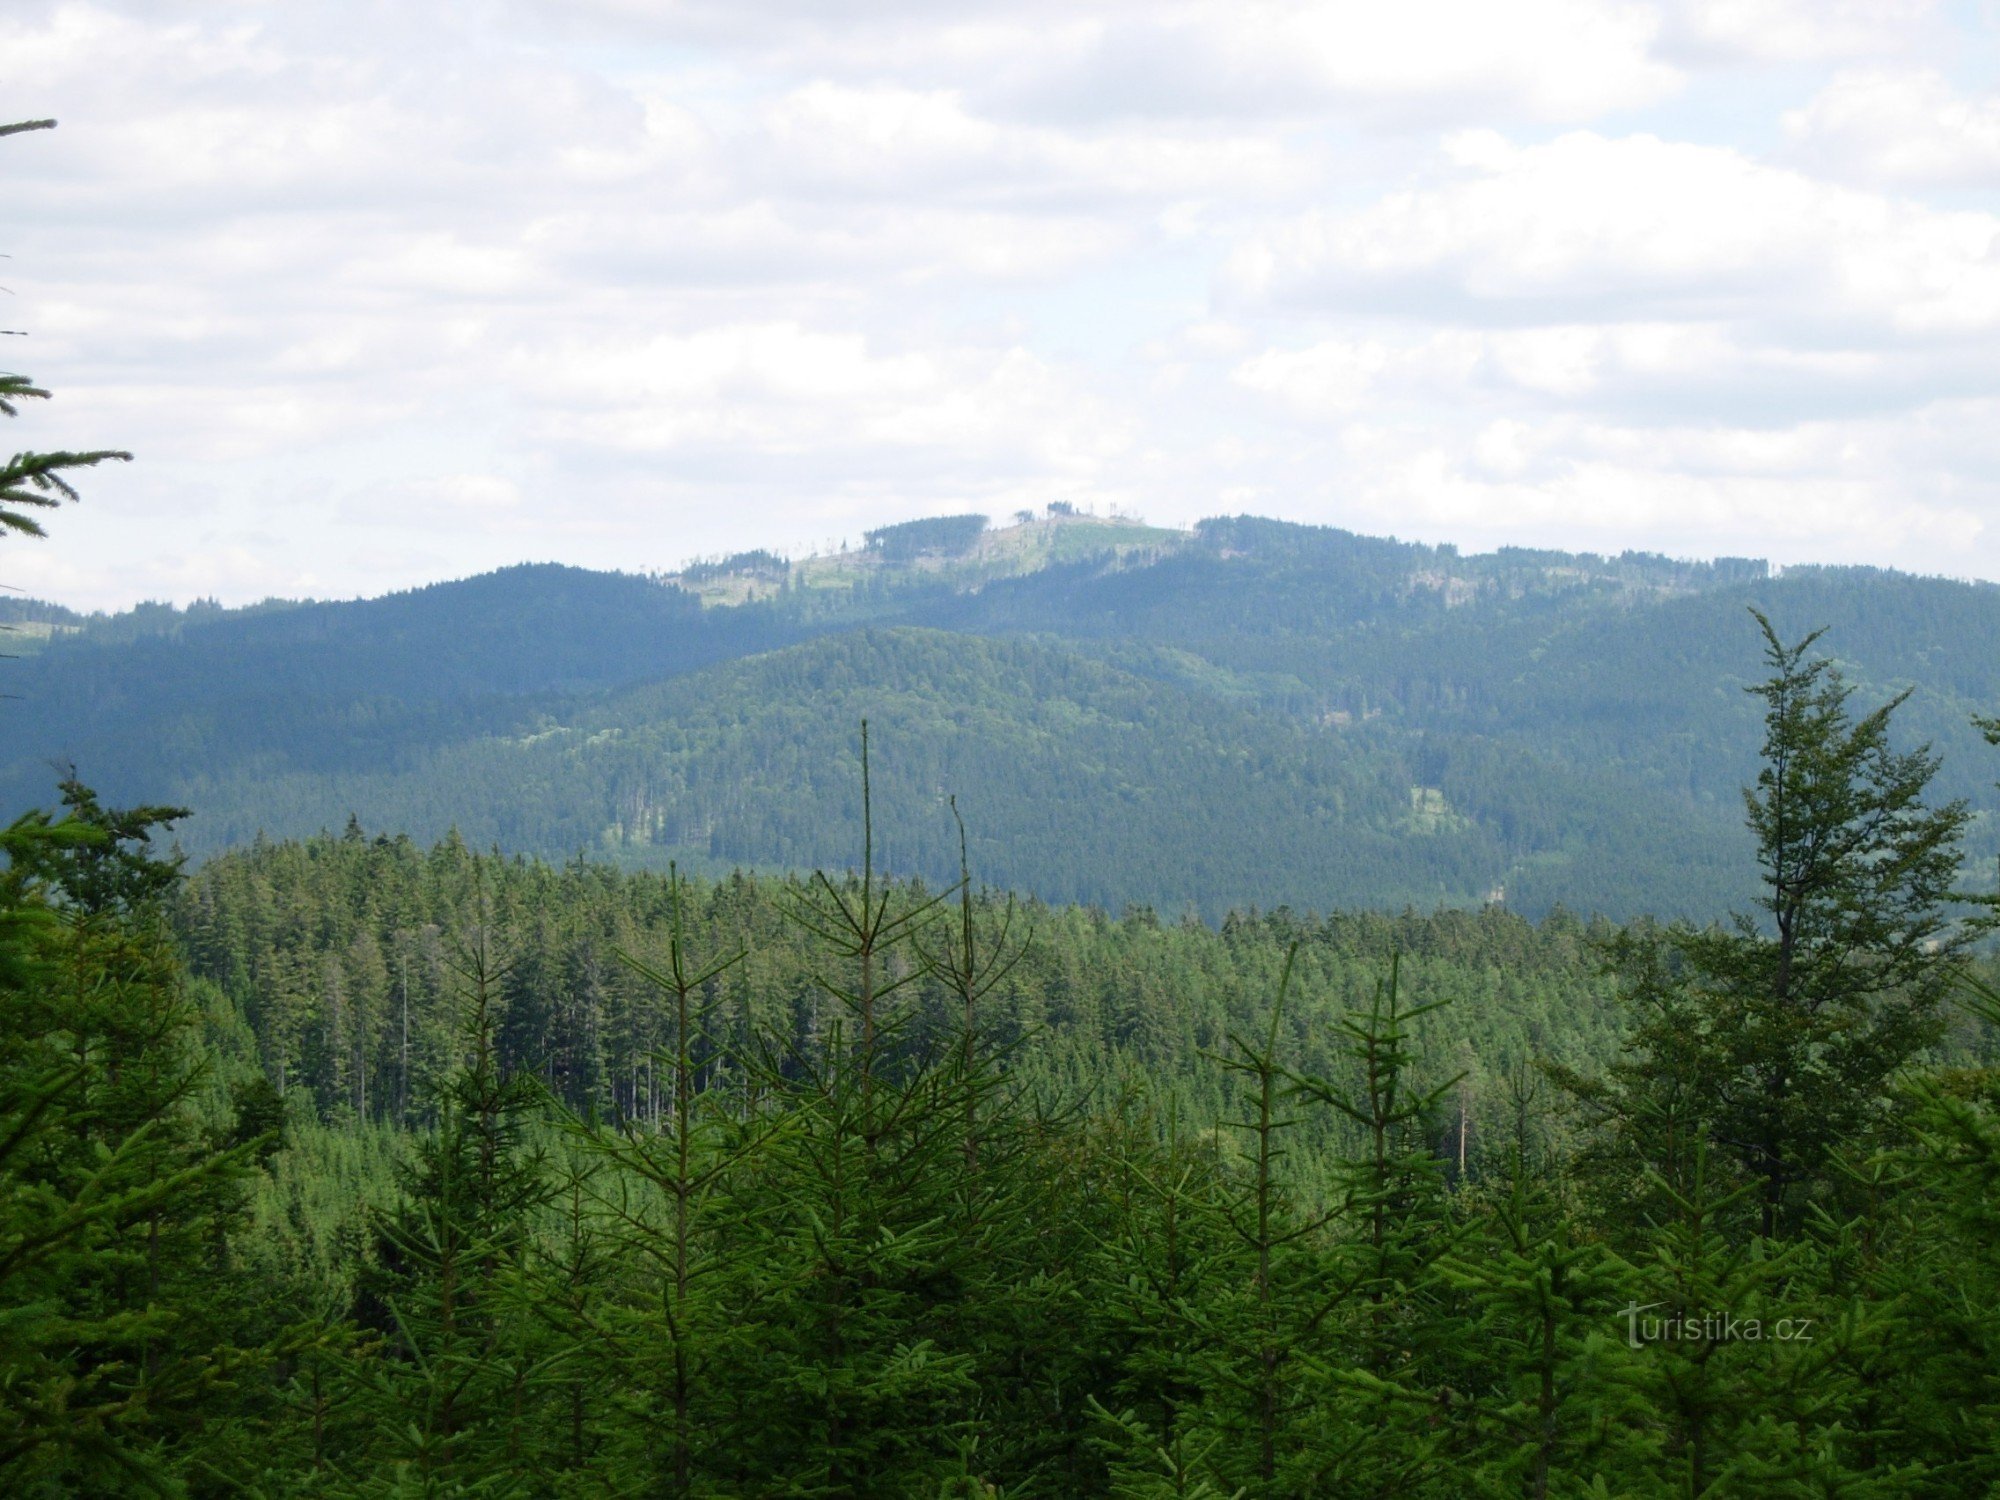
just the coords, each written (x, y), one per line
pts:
(1249, 713)
(369, 1165)
(347, 1166)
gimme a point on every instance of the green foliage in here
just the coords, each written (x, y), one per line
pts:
(942, 536)
(336, 951)
(1239, 716)
(454, 1380)
(677, 1327)
(1774, 1038)
(759, 564)
(580, 1182)
(30, 481)
(1549, 1390)
(116, 1194)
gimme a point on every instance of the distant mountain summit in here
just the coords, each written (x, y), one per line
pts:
(963, 552)
(1249, 711)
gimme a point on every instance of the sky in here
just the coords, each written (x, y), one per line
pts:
(385, 293)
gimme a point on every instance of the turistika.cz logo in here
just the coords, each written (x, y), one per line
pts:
(1707, 1327)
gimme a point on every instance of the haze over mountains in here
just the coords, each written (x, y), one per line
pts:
(1251, 712)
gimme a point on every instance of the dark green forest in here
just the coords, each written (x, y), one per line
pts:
(350, 1166)
(1251, 713)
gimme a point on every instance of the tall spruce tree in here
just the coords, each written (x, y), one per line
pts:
(459, 1377)
(1269, 1330)
(1936, 1263)
(1382, 1436)
(867, 1391)
(1013, 1223)
(679, 1324)
(116, 1195)
(1161, 1250)
(1551, 1405)
(1774, 1037)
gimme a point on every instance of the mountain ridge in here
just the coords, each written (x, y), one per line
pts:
(1259, 712)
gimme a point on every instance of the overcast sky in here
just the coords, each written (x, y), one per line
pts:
(382, 293)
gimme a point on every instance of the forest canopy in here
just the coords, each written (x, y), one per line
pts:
(518, 1178)
(939, 536)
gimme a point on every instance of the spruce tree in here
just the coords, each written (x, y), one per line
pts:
(1161, 1254)
(1938, 1268)
(1774, 1038)
(1538, 1354)
(1379, 1431)
(458, 1377)
(1014, 1205)
(675, 1336)
(115, 1194)
(854, 1220)
(1729, 1354)
(1270, 1331)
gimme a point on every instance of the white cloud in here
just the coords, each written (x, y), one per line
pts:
(1906, 128)
(380, 292)
(1643, 372)
(1798, 30)
(1423, 61)
(833, 140)
(1825, 492)
(1348, 374)
(1639, 227)
(732, 400)
(1192, 59)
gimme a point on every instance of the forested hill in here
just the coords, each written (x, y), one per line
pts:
(333, 959)
(1253, 712)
